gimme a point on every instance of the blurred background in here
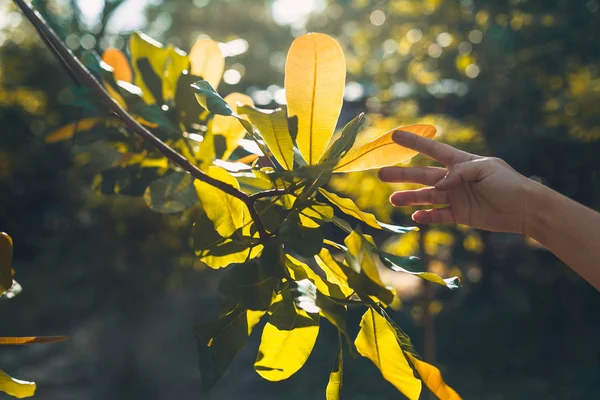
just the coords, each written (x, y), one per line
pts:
(517, 79)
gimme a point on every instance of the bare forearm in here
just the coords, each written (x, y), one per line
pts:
(568, 229)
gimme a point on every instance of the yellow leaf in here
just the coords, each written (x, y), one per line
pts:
(377, 341)
(230, 127)
(333, 271)
(177, 62)
(17, 341)
(334, 386)
(220, 261)
(16, 388)
(382, 152)
(315, 75)
(287, 340)
(66, 132)
(357, 248)
(6, 254)
(299, 271)
(347, 206)
(225, 211)
(143, 47)
(273, 126)
(117, 60)
(207, 61)
(432, 378)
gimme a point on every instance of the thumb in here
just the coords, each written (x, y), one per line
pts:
(460, 173)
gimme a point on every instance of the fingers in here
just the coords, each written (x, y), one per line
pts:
(471, 171)
(423, 175)
(441, 152)
(419, 197)
(435, 216)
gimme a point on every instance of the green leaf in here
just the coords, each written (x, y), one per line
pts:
(273, 259)
(315, 215)
(376, 341)
(172, 193)
(334, 386)
(148, 60)
(6, 254)
(273, 127)
(221, 340)
(15, 387)
(347, 206)
(346, 139)
(132, 180)
(335, 273)
(210, 99)
(299, 271)
(249, 285)
(410, 265)
(305, 241)
(227, 213)
(287, 340)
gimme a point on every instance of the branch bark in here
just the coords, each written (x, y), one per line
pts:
(84, 77)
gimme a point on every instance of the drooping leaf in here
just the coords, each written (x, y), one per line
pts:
(346, 140)
(230, 127)
(6, 254)
(432, 378)
(190, 112)
(17, 341)
(382, 152)
(305, 241)
(208, 98)
(221, 340)
(287, 340)
(273, 126)
(411, 266)
(249, 284)
(273, 258)
(227, 213)
(315, 75)
(300, 271)
(376, 341)
(15, 387)
(172, 193)
(119, 63)
(67, 131)
(177, 62)
(315, 215)
(207, 61)
(347, 206)
(334, 386)
(334, 271)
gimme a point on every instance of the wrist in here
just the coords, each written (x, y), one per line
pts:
(537, 213)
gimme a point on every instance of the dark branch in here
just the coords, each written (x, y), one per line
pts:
(84, 77)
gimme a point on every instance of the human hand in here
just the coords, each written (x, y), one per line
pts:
(482, 192)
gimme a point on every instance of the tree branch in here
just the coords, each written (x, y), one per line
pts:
(84, 77)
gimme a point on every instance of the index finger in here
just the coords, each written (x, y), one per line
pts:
(441, 152)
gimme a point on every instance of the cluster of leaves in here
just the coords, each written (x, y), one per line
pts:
(9, 288)
(270, 236)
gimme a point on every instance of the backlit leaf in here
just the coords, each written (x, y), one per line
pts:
(299, 271)
(376, 341)
(334, 271)
(17, 341)
(119, 63)
(221, 340)
(432, 378)
(382, 152)
(148, 59)
(230, 127)
(6, 254)
(177, 62)
(305, 241)
(287, 340)
(207, 61)
(273, 126)
(411, 266)
(15, 387)
(208, 98)
(334, 386)
(227, 213)
(172, 193)
(315, 75)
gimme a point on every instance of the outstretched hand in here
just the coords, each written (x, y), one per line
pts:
(482, 192)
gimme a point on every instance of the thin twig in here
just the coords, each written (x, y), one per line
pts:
(85, 78)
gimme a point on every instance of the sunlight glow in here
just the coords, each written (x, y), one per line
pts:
(294, 12)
